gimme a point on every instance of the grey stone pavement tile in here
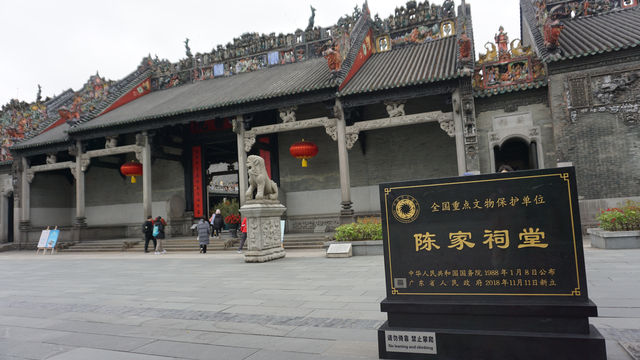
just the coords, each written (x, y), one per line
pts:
(106, 342)
(97, 354)
(30, 350)
(184, 306)
(195, 351)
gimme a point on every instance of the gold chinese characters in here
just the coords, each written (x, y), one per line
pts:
(488, 203)
(529, 238)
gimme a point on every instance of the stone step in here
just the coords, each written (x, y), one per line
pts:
(189, 243)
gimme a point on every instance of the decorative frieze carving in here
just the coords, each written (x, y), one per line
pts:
(395, 108)
(250, 135)
(51, 159)
(7, 186)
(111, 142)
(288, 114)
(353, 130)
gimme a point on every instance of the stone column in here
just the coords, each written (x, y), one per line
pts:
(78, 173)
(346, 212)
(25, 186)
(146, 176)
(242, 158)
(457, 121)
(4, 217)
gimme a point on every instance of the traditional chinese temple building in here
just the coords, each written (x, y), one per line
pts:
(381, 100)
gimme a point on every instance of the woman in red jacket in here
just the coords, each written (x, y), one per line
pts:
(243, 234)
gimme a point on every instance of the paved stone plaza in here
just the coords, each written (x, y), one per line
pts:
(216, 306)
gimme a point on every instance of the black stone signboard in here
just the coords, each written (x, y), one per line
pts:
(498, 253)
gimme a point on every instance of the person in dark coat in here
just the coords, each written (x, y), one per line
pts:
(147, 230)
(160, 224)
(203, 235)
(217, 222)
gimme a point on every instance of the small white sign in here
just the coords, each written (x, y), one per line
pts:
(43, 239)
(417, 342)
(340, 250)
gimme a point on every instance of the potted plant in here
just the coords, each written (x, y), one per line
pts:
(619, 227)
(365, 236)
(232, 222)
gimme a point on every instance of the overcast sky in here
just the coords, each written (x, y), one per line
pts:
(59, 44)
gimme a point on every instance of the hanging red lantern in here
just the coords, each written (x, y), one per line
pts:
(131, 168)
(304, 150)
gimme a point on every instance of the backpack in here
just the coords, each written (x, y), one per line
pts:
(156, 230)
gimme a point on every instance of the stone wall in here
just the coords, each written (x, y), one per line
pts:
(52, 199)
(394, 154)
(597, 127)
(110, 199)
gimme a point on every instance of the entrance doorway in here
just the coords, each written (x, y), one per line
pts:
(517, 153)
(222, 184)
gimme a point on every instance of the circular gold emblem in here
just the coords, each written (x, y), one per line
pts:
(405, 209)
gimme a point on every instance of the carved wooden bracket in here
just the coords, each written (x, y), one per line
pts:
(84, 162)
(448, 126)
(30, 174)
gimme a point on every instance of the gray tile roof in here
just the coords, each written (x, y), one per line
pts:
(510, 88)
(597, 34)
(410, 65)
(269, 83)
(587, 35)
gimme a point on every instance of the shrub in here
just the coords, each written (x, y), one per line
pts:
(227, 207)
(359, 231)
(623, 218)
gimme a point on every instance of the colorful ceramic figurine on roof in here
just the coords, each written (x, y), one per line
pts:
(502, 40)
(506, 67)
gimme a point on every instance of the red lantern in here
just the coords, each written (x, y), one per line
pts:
(304, 150)
(131, 168)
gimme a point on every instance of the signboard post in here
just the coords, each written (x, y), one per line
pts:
(486, 267)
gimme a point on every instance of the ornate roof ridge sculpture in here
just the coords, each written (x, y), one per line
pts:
(72, 107)
(416, 23)
(506, 67)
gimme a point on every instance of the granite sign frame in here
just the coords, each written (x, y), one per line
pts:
(492, 265)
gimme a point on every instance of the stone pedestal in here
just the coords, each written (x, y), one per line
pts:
(263, 230)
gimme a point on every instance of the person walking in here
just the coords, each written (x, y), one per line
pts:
(217, 222)
(147, 230)
(243, 235)
(158, 231)
(203, 235)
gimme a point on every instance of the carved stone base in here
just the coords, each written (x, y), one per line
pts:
(80, 222)
(25, 225)
(264, 255)
(263, 231)
(347, 213)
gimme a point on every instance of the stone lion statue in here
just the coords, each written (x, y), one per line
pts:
(259, 181)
